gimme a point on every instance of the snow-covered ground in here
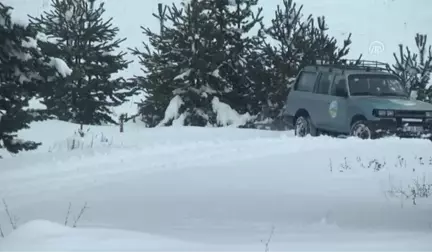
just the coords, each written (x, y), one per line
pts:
(47, 236)
(208, 189)
(185, 188)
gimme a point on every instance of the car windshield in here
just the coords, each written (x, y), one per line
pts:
(376, 85)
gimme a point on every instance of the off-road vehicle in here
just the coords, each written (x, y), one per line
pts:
(363, 99)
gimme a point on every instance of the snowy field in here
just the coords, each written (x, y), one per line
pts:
(223, 189)
(213, 189)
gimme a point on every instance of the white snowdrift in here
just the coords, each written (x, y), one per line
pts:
(221, 186)
(61, 66)
(172, 111)
(227, 116)
(42, 235)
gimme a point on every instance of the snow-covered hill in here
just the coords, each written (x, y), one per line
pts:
(202, 189)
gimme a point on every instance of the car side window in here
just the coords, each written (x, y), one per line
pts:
(339, 82)
(306, 82)
(324, 83)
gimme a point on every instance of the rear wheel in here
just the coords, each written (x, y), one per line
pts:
(361, 130)
(303, 127)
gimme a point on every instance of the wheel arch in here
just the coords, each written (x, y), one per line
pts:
(301, 112)
(356, 118)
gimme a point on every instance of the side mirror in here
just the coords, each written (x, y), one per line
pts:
(341, 92)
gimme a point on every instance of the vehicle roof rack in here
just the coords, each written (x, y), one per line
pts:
(353, 64)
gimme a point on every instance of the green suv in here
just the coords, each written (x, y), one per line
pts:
(363, 100)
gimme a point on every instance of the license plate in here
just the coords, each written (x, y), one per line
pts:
(415, 129)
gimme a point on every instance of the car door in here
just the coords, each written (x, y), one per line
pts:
(302, 96)
(336, 114)
(323, 99)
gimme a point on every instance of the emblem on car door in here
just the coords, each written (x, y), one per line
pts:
(333, 109)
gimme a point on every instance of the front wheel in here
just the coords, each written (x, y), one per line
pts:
(361, 130)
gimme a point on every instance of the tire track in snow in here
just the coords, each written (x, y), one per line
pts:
(33, 183)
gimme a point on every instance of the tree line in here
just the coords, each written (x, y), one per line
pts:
(205, 53)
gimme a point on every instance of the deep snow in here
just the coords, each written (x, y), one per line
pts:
(216, 189)
(48, 236)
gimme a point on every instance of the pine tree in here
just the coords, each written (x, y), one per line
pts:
(267, 94)
(200, 57)
(191, 65)
(297, 42)
(24, 70)
(321, 47)
(87, 43)
(157, 69)
(414, 69)
(235, 21)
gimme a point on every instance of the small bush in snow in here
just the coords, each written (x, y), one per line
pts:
(79, 142)
(418, 189)
(82, 140)
(374, 164)
(77, 218)
(13, 220)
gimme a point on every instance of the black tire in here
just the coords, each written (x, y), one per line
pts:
(361, 130)
(303, 126)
